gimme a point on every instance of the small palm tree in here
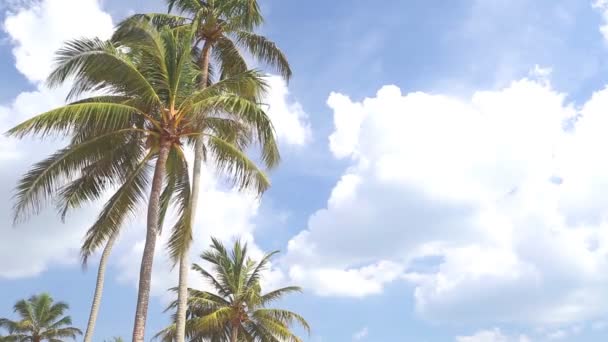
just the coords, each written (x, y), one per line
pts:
(41, 320)
(134, 135)
(238, 310)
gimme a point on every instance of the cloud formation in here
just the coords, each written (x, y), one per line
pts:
(491, 206)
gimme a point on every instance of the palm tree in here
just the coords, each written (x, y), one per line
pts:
(237, 310)
(40, 320)
(150, 109)
(221, 27)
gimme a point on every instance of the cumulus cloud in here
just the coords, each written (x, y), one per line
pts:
(497, 190)
(289, 118)
(34, 47)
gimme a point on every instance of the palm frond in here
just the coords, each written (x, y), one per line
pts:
(181, 234)
(64, 120)
(185, 6)
(247, 112)
(255, 276)
(264, 50)
(101, 175)
(43, 180)
(278, 294)
(98, 65)
(234, 163)
(229, 57)
(122, 203)
(219, 287)
(284, 317)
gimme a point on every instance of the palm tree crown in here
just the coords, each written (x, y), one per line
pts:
(237, 310)
(221, 28)
(41, 319)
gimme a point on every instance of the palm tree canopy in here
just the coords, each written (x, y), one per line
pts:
(237, 301)
(228, 26)
(41, 319)
(149, 96)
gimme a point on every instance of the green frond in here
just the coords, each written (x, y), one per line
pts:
(146, 46)
(97, 65)
(123, 203)
(230, 58)
(264, 50)
(62, 333)
(240, 14)
(181, 234)
(249, 85)
(219, 287)
(277, 329)
(109, 171)
(44, 179)
(184, 6)
(229, 130)
(213, 321)
(247, 112)
(254, 277)
(278, 294)
(284, 317)
(63, 121)
(158, 20)
(233, 163)
(211, 299)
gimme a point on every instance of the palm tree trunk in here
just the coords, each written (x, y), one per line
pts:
(182, 288)
(101, 272)
(234, 333)
(145, 273)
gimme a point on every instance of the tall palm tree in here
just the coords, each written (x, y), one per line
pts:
(221, 27)
(152, 105)
(40, 320)
(237, 310)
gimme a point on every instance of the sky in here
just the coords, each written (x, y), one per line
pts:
(443, 179)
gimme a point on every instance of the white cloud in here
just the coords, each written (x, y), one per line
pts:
(40, 29)
(361, 334)
(602, 7)
(494, 335)
(289, 118)
(36, 30)
(507, 203)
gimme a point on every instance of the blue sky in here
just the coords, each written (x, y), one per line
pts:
(417, 198)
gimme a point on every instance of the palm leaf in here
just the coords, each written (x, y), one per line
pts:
(122, 203)
(264, 50)
(98, 65)
(42, 181)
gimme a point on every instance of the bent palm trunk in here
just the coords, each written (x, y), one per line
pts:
(145, 274)
(101, 272)
(182, 287)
